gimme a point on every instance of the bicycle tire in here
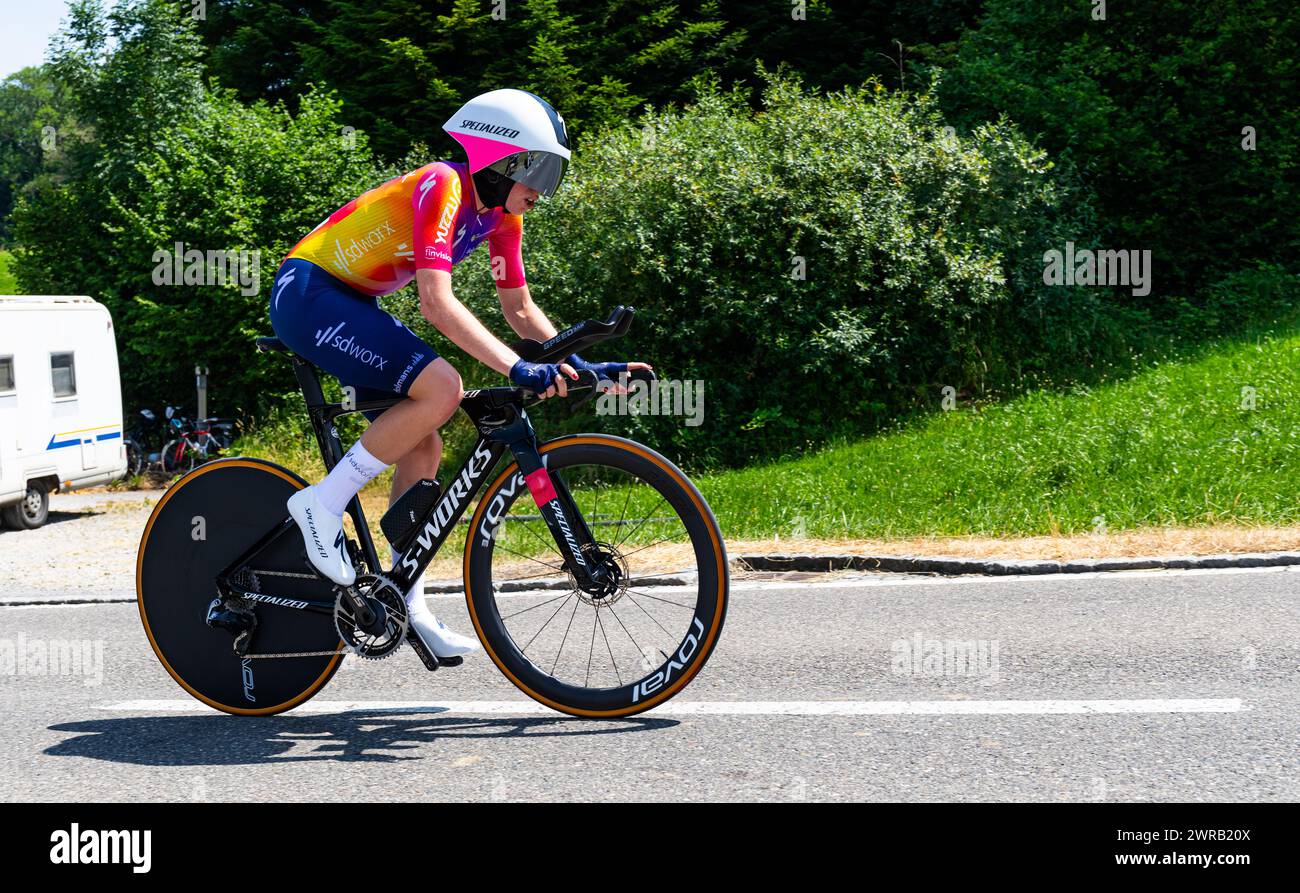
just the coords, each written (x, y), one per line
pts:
(134, 458)
(173, 457)
(205, 521)
(701, 636)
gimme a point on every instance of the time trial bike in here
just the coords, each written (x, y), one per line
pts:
(602, 595)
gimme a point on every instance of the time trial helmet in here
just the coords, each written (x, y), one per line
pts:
(511, 136)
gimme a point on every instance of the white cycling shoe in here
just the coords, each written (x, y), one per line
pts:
(435, 635)
(322, 534)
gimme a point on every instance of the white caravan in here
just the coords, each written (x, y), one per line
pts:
(60, 402)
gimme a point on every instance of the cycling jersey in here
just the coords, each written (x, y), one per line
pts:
(345, 332)
(417, 221)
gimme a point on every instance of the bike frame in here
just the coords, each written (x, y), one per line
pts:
(502, 422)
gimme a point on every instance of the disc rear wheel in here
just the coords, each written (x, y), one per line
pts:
(203, 523)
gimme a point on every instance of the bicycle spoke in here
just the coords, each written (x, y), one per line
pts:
(605, 636)
(572, 614)
(635, 643)
(664, 600)
(643, 548)
(641, 522)
(626, 502)
(528, 557)
(544, 625)
(533, 576)
(550, 544)
(652, 618)
(536, 606)
(591, 651)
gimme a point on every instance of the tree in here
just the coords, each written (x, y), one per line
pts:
(165, 159)
(33, 126)
(1151, 105)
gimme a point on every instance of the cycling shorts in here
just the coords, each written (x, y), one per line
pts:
(345, 333)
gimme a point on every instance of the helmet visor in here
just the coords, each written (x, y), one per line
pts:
(542, 171)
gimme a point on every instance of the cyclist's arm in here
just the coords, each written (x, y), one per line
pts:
(505, 248)
(448, 315)
(525, 317)
(435, 204)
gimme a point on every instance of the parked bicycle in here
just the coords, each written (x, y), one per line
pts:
(601, 596)
(143, 442)
(191, 444)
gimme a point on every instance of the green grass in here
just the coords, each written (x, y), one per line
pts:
(1173, 445)
(8, 284)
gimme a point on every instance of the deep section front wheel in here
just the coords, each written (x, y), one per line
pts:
(630, 645)
(203, 523)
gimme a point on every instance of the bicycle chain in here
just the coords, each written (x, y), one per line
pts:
(285, 574)
(284, 654)
(255, 587)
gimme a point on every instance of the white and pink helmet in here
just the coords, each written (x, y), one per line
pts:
(516, 134)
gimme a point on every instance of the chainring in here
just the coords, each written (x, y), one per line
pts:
(366, 645)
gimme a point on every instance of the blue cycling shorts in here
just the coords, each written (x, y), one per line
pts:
(345, 333)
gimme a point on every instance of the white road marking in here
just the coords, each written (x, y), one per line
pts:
(749, 708)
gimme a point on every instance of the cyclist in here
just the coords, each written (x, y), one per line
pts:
(418, 226)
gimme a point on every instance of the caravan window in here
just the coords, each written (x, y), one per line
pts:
(63, 375)
(6, 374)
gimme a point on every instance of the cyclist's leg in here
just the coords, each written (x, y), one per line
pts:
(432, 399)
(349, 336)
(346, 333)
(421, 461)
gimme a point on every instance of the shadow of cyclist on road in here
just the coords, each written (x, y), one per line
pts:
(361, 736)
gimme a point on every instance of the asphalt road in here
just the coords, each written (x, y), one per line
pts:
(1144, 686)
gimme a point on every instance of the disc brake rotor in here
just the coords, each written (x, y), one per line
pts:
(608, 557)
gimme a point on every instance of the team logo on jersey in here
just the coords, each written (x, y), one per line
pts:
(359, 246)
(448, 213)
(348, 345)
(425, 187)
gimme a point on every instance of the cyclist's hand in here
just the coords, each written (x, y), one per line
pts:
(607, 372)
(543, 379)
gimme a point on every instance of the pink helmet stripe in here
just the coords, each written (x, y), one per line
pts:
(483, 151)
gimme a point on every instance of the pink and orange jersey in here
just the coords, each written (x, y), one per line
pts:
(417, 221)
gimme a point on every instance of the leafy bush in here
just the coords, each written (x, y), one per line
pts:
(8, 284)
(911, 244)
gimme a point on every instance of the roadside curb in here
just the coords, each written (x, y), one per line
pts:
(912, 564)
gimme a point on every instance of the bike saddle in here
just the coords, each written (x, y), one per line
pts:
(269, 343)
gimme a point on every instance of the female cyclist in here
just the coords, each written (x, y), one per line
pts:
(418, 226)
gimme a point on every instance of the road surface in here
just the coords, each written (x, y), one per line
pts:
(1142, 686)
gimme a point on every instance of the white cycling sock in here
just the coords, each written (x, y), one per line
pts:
(349, 476)
(415, 603)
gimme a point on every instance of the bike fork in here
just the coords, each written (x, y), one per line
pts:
(558, 510)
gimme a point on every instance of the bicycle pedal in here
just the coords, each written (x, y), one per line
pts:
(426, 656)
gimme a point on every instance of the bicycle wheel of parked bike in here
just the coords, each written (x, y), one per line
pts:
(178, 456)
(203, 523)
(621, 652)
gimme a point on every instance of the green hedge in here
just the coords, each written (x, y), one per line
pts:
(1152, 106)
(919, 253)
